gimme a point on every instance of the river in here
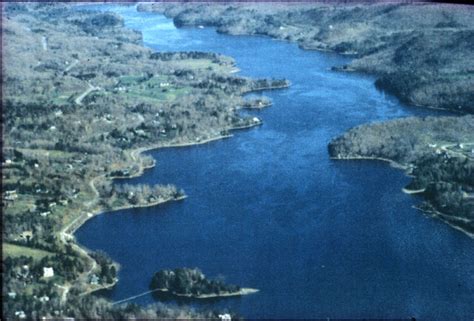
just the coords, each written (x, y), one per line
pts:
(268, 209)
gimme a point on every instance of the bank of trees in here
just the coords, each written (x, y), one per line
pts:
(190, 282)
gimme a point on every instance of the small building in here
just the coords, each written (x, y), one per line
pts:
(44, 299)
(48, 272)
(26, 235)
(256, 120)
(12, 295)
(10, 198)
(225, 317)
(11, 192)
(20, 314)
(94, 279)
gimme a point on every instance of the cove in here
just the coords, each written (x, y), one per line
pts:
(268, 209)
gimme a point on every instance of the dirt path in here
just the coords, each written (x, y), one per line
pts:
(64, 293)
(91, 88)
(71, 65)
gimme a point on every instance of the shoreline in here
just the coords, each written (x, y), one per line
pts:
(67, 233)
(392, 162)
(241, 292)
(413, 191)
(444, 218)
(432, 212)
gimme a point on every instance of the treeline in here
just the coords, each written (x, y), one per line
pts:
(189, 282)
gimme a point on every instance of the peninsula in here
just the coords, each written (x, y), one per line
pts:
(438, 152)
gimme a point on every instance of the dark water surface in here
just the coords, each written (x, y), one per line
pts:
(268, 209)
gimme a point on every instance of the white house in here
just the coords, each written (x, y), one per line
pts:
(20, 314)
(44, 298)
(225, 317)
(48, 272)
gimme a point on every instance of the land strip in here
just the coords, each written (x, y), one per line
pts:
(64, 145)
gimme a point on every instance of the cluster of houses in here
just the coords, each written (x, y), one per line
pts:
(10, 196)
(24, 271)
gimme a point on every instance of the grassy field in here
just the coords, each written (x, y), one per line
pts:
(13, 250)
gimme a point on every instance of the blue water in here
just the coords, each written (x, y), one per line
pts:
(268, 209)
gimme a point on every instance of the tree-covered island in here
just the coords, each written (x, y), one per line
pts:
(192, 283)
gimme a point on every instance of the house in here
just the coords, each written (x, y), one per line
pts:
(44, 299)
(12, 295)
(225, 317)
(26, 235)
(94, 279)
(10, 195)
(44, 214)
(48, 272)
(20, 314)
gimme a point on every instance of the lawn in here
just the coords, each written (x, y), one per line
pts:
(14, 250)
